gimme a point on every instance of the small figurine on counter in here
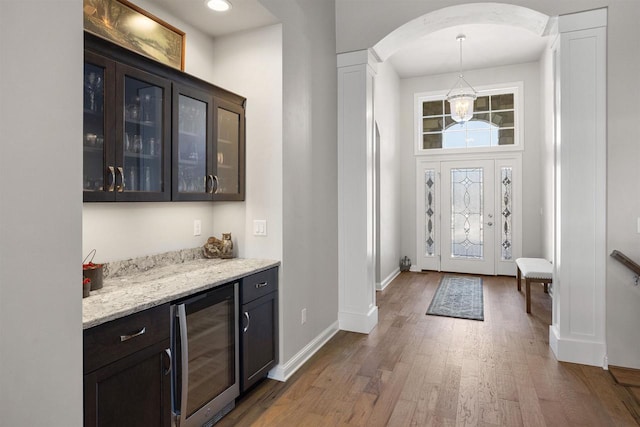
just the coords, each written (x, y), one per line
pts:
(216, 248)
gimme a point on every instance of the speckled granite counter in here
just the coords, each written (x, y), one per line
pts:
(127, 294)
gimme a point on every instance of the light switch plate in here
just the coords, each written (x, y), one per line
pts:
(197, 227)
(259, 227)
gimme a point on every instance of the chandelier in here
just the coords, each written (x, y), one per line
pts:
(461, 95)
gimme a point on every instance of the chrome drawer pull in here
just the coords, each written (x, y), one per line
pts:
(128, 337)
(261, 285)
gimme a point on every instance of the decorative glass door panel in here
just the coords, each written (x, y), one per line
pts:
(467, 213)
(143, 136)
(467, 234)
(230, 151)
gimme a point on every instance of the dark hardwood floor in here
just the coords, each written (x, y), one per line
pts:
(419, 370)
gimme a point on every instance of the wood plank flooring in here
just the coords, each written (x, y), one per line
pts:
(419, 370)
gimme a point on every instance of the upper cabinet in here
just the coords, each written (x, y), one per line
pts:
(230, 160)
(126, 133)
(153, 133)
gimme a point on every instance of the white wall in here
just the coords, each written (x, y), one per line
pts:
(310, 210)
(527, 73)
(238, 58)
(547, 154)
(40, 212)
(387, 116)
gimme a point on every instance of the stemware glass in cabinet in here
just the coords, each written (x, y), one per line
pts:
(97, 179)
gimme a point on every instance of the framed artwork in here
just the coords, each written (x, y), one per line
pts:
(133, 28)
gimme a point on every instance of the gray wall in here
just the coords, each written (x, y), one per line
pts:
(310, 206)
(387, 116)
(40, 212)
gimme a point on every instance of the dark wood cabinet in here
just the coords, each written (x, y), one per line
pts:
(258, 327)
(127, 379)
(229, 148)
(193, 144)
(127, 137)
(154, 133)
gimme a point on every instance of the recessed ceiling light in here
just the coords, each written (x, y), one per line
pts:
(219, 5)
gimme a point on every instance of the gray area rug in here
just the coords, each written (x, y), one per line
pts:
(458, 296)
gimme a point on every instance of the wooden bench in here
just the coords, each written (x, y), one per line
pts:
(537, 270)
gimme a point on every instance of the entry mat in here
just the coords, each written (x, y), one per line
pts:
(458, 296)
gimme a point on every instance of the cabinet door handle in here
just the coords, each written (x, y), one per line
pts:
(112, 179)
(261, 285)
(167, 351)
(208, 180)
(120, 187)
(214, 188)
(246, 328)
(135, 334)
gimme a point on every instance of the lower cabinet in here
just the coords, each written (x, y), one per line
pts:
(127, 379)
(259, 327)
(127, 362)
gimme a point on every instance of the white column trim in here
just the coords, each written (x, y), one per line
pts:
(357, 310)
(578, 332)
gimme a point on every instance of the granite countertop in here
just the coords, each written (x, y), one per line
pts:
(130, 293)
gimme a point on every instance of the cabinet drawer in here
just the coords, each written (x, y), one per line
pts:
(258, 284)
(114, 340)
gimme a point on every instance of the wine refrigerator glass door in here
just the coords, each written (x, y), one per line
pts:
(206, 370)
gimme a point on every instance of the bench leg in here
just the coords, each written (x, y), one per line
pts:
(546, 288)
(518, 278)
(527, 287)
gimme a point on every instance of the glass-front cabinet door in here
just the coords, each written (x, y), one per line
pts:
(193, 177)
(155, 134)
(142, 126)
(98, 180)
(229, 119)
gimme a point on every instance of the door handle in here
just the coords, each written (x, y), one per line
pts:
(167, 351)
(120, 187)
(112, 179)
(246, 328)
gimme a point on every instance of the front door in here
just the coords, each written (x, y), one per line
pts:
(467, 215)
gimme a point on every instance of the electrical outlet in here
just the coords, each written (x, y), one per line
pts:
(197, 227)
(303, 319)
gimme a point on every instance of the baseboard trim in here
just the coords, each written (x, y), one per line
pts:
(358, 322)
(577, 351)
(380, 286)
(282, 372)
(415, 269)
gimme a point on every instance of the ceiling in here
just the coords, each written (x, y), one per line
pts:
(243, 15)
(487, 45)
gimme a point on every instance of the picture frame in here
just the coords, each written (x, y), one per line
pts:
(133, 28)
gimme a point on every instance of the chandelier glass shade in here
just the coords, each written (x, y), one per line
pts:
(462, 94)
